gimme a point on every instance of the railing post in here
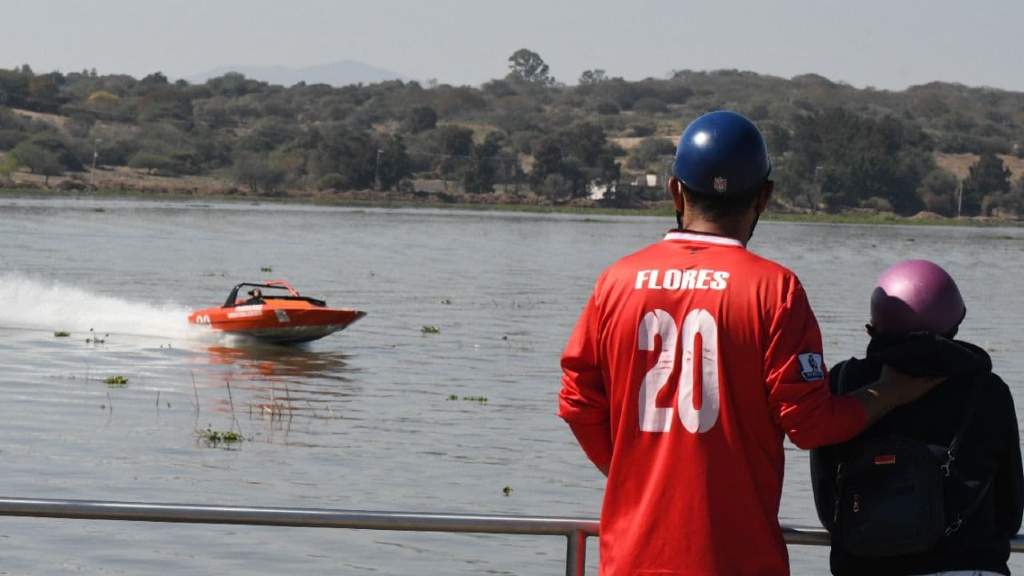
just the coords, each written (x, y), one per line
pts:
(576, 553)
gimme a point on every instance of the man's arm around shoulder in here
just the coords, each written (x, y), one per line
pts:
(892, 389)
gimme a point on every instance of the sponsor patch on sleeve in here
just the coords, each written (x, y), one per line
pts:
(810, 366)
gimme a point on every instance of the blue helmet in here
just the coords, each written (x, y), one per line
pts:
(722, 153)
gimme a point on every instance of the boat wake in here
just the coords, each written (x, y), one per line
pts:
(33, 304)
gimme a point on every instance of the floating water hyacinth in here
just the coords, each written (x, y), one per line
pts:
(220, 436)
(116, 381)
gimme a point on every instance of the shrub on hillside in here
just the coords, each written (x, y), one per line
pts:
(332, 181)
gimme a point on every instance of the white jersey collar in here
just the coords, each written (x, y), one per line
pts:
(699, 237)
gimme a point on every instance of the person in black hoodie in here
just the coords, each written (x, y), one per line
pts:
(916, 310)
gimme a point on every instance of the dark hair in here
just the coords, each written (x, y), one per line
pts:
(718, 207)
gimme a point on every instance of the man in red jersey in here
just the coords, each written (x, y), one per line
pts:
(691, 360)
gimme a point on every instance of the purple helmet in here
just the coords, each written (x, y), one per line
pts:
(916, 296)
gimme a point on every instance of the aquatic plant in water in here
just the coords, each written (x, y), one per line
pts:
(116, 381)
(214, 437)
(477, 399)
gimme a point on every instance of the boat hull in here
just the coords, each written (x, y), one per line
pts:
(283, 322)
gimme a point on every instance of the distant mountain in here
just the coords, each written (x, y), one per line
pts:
(335, 74)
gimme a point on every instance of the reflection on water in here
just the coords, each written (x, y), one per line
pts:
(285, 363)
(274, 382)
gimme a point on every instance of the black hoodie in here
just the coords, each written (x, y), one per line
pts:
(990, 449)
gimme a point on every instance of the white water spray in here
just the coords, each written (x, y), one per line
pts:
(34, 304)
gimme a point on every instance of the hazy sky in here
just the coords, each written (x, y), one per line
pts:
(889, 44)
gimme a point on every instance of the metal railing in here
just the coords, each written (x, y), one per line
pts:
(576, 530)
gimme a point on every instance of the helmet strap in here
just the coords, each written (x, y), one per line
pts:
(757, 216)
(757, 213)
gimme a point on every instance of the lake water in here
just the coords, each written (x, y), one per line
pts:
(361, 419)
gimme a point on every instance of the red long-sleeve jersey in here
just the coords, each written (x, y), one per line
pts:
(689, 362)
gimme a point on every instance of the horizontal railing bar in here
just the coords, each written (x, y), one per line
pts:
(295, 517)
(352, 519)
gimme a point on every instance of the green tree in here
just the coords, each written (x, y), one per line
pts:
(149, 161)
(482, 167)
(651, 152)
(66, 156)
(255, 171)
(14, 128)
(938, 192)
(44, 93)
(579, 154)
(354, 159)
(553, 187)
(460, 101)
(267, 134)
(422, 118)
(585, 141)
(1007, 204)
(548, 160)
(452, 145)
(13, 88)
(212, 147)
(1004, 204)
(592, 158)
(332, 181)
(337, 149)
(850, 159)
(988, 175)
(38, 159)
(517, 113)
(393, 163)
(556, 174)
(455, 140)
(165, 104)
(233, 84)
(650, 106)
(616, 91)
(592, 76)
(8, 166)
(527, 66)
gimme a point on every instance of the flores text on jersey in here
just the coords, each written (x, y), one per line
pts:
(673, 279)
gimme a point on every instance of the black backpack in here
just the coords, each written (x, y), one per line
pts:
(890, 492)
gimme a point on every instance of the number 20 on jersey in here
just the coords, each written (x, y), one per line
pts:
(697, 323)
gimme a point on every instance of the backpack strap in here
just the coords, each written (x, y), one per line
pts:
(961, 516)
(954, 447)
(842, 450)
(841, 381)
(965, 420)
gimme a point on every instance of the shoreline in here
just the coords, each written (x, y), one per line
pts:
(395, 200)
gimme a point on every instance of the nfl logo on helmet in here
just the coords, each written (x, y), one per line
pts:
(721, 184)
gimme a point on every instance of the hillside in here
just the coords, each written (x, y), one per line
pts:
(834, 147)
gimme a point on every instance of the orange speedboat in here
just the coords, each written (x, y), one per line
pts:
(279, 315)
